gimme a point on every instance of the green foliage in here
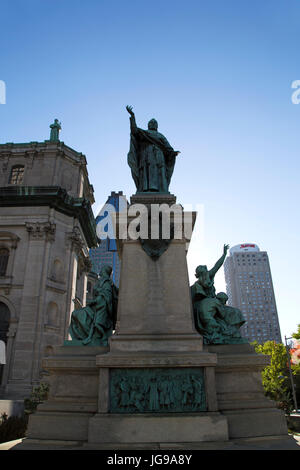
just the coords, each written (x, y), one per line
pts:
(296, 369)
(275, 377)
(297, 334)
(12, 427)
(38, 395)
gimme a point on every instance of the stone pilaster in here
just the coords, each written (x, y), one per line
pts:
(28, 339)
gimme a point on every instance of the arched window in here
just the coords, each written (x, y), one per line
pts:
(4, 255)
(17, 174)
(4, 321)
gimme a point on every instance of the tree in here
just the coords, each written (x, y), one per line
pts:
(297, 334)
(275, 377)
(295, 363)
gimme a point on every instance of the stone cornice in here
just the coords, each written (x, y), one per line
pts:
(56, 198)
(39, 148)
(10, 146)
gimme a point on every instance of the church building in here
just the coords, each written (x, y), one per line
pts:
(47, 228)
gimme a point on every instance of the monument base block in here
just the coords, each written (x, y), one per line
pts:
(256, 423)
(153, 428)
(155, 385)
(77, 413)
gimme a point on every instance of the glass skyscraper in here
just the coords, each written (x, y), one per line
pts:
(106, 252)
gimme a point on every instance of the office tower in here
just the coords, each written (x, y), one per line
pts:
(106, 252)
(250, 288)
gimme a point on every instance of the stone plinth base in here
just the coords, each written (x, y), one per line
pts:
(256, 423)
(77, 412)
(150, 428)
(240, 393)
(59, 426)
(252, 443)
(73, 396)
(153, 198)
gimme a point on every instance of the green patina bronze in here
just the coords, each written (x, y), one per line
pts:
(54, 133)
(157, 390)
(93, 325)
(151, 158)
(217, 322)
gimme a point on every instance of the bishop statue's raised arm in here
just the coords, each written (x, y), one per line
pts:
(150, 158)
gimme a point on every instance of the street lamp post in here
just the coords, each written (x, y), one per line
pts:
(290, 372)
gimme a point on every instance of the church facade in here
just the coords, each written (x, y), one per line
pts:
(46, 230)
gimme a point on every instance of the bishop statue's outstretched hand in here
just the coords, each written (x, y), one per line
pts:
(129, 109)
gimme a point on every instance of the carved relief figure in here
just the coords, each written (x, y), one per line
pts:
(156, 390)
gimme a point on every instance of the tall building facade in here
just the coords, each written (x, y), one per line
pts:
(46, 229)
(250, 288)
(106, 252)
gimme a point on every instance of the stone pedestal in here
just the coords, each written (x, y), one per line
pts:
(154, 307)
(156, 385)
(154, 312)
(176, 422)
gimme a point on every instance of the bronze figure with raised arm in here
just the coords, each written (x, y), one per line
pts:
(204, 286)
(150, 158)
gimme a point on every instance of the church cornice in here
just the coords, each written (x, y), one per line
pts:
(56, 198)
(12, 148)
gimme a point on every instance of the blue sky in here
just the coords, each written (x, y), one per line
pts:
(216, 75)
